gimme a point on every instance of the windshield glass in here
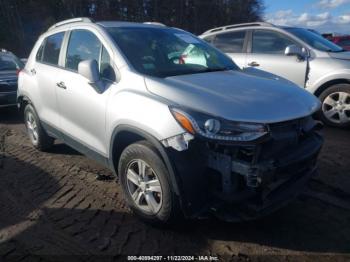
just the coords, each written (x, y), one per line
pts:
(167, 52)
(315, 40)
(9, 63)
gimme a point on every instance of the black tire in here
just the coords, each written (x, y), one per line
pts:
(169, 212)
(332, 92)
(42, 141)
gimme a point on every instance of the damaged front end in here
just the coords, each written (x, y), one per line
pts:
(237, 180)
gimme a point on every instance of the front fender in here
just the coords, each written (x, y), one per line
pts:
(336, 75)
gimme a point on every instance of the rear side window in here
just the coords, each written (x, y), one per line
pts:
(83, 45)
(268, 42)
(231, 42)
(52, 48)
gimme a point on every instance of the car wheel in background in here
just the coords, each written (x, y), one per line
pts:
(146, 186)
(38, 136)
(335, 109)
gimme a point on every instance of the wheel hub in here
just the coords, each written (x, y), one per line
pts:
(336, 107)
(144, 186)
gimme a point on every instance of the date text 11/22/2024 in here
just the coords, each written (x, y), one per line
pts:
(173, 258)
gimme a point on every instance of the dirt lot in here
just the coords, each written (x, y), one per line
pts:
(52, 206)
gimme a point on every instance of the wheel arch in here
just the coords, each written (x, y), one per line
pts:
(22, 101)
(330, 83)
(124, 135)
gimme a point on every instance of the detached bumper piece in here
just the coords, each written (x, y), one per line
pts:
(248, 181)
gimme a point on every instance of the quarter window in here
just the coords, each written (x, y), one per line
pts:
(268, 42)
(106, 70)
(39, 54)
(52, 48)
(231, 42)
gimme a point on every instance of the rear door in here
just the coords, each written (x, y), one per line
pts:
(233, 43)
(266, 52)
(46, 73)
(82, 108)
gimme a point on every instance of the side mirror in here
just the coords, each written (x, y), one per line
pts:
(89, 70)
(294, 50)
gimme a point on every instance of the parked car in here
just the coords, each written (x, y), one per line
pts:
(297, 54)
(189, 139)
(343, 41)
(10, 66)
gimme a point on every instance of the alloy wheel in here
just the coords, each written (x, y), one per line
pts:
(144, 186)
(32, 127)
(336, 107)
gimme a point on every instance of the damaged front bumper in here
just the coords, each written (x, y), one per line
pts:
(246, 181)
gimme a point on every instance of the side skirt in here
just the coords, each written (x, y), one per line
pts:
(80, 147)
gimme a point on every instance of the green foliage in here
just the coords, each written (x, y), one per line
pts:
(22, 21)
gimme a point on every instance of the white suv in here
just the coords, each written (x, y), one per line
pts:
(186, 135)
(297, 54)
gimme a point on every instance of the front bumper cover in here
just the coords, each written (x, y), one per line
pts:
(244, 182)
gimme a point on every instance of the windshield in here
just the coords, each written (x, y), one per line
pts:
(10, 63)
(315, 40)
(167, 52)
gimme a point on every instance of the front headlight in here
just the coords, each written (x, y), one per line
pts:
(218, 129)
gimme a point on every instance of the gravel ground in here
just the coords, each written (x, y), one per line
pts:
(53, 207)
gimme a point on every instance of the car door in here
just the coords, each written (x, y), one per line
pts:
(45, 73)
(233, 43)
(266, 52)
(82, 108)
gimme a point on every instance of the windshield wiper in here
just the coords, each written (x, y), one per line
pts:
(215, 69)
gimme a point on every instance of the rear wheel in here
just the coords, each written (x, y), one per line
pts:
(146, 186)
(37, 135)
(335, 109)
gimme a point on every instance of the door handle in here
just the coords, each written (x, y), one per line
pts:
(61, 85)
(254, 64)
(33, 71)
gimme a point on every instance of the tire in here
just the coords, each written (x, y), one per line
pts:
(165, 210)
(335, 109)
(37, 135)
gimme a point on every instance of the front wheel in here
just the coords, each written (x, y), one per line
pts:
(146, 186)
(335, 109)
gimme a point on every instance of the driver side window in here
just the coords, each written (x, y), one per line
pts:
(269, 42)
(84, 45)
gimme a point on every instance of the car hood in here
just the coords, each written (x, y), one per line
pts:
(237, 96)
(340, 55)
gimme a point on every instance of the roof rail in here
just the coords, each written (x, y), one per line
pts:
(154, 23)
(70, 21)
(223, 28)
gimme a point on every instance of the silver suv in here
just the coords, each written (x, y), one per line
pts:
(185, 130)
(297, 54)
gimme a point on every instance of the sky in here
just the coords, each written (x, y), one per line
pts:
(325, 16)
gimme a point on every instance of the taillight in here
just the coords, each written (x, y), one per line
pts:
(18, 71)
